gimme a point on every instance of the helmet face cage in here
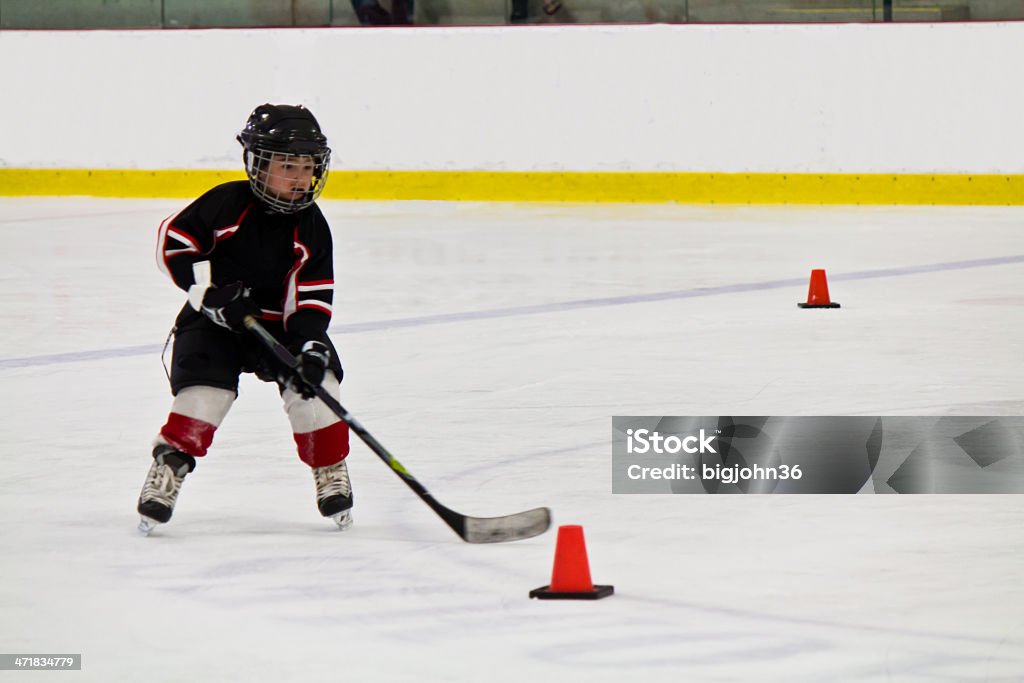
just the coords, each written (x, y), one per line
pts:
(259, 168)
(277, 135)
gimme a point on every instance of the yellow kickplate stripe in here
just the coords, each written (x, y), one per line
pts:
(553, 186)
(695, 188)
(111, 183)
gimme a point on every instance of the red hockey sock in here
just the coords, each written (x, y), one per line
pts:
(323, 447)
(188, 434)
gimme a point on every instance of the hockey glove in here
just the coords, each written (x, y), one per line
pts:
(313, 362)
(227, 306)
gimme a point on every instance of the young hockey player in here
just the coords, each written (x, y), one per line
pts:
(260, 248)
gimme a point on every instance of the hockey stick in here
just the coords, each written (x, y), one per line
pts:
(470, 529)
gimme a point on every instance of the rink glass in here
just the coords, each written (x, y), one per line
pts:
(90, 14)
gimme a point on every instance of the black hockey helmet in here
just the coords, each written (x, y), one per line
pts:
(283, 132)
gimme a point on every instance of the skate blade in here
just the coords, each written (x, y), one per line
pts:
(343, 519)
(146, 525)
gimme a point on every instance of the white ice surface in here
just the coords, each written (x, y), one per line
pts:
(505, 410)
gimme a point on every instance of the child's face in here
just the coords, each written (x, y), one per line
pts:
(288, 176)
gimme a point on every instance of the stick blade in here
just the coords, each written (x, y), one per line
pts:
(508, 528)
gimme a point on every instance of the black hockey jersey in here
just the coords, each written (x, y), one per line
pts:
(286, 260)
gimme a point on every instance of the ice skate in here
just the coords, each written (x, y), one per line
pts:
(343, 519)
(334, 493)
(159, 493)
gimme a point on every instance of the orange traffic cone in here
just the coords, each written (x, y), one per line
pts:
(570, 577)
(817, 293)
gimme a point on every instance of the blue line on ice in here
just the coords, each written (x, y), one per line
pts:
(514, 311)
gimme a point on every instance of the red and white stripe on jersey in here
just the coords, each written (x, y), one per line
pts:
(162, 245)
(309, 294)
(188, 244)
(316, 294)
(173, 241)
(224, 233)
(316, 286)
(291, 291)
